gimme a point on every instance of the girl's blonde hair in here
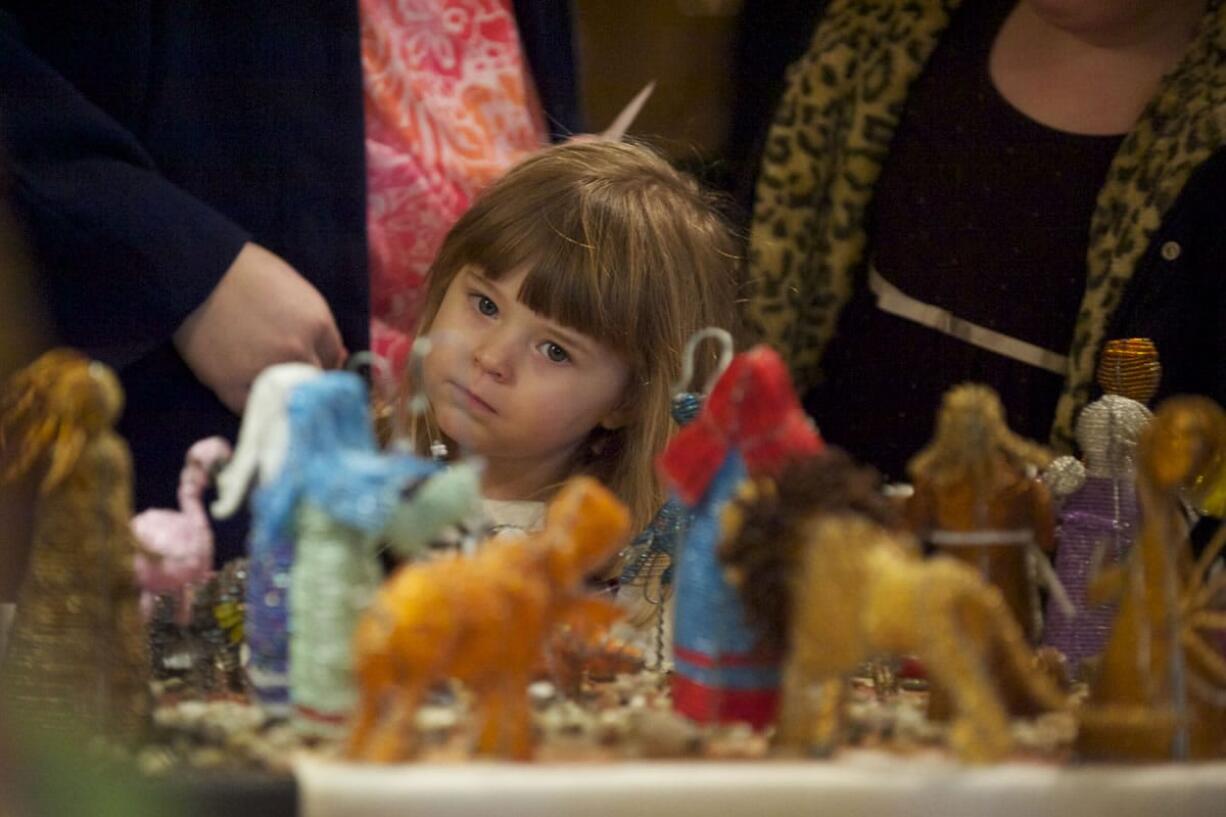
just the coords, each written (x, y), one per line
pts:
(621, 247)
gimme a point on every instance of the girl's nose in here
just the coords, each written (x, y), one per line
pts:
(493, 357)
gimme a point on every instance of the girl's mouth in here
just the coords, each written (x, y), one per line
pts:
(472, 401)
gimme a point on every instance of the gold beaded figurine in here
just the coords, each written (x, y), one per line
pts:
(77, 656)
(1160, 692)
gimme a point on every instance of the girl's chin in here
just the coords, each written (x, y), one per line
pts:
(459, 427)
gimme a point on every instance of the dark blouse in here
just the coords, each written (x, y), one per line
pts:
(985, 213)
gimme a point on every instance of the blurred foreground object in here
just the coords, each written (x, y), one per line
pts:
(1160, 692)
(21, 333)
(77, 654)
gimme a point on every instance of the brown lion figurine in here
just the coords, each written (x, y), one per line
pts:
(853, 587)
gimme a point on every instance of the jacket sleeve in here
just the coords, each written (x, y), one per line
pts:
(124, 254)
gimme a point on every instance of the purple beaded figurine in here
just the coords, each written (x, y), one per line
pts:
(1097, 518)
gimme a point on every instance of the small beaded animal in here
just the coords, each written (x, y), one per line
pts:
(176, 547)
(484, 620)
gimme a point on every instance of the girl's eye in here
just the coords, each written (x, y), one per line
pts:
(484, 305)
(554, 352)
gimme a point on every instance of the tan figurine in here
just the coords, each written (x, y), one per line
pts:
(1160, 691)
(854, 589)
(77, 658)
(976, 499)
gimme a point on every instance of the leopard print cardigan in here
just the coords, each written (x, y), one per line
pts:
(832, 134)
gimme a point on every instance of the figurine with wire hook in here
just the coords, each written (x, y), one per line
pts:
(751, 425)
(645, 584)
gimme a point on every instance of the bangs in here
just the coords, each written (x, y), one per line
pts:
(572, 265)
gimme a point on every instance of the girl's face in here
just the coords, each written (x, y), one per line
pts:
(513, 386)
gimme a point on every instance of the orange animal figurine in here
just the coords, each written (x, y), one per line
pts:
(484, 620)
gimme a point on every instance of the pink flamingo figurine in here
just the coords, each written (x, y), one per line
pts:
(176, 547)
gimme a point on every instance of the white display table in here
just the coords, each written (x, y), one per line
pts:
(860, 783)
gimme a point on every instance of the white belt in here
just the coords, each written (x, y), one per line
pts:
(1020, 538)
(894, 301)
(971, 538)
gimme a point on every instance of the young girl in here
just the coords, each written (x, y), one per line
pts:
(558, 308)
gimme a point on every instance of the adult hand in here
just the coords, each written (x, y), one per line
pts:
(261, 312)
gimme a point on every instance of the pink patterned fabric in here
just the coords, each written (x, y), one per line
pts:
(449, 108)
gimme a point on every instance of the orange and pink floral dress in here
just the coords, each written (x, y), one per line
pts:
(450, 106)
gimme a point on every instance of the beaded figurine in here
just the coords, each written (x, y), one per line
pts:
(751, 424)
(646, 580)
(484, 620)
(337, 495)
(176, 547)
(1098, 498)
(976, 499)
(1160, 689)
(825, 570)
(77, 658)
(263, 441)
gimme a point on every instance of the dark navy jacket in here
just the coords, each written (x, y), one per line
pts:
(147, 141)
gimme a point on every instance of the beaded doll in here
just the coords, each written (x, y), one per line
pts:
(337, 495)
(77, 657)
(976, 501)
(645, 584)
(1098, 508)
(751, 424)
(262, 443)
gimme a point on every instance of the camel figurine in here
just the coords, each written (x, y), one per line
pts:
(176, 547)
(841, 584)
(484, 620)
